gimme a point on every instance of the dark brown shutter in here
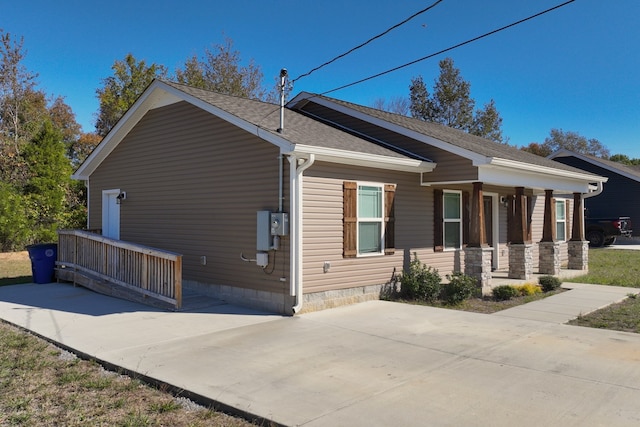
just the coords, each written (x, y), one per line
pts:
(466, 217)
(438, 244)
(529, 219)
(389, 219)
(349, 219)
(567, 230)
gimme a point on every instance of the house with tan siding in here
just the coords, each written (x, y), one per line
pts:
(324, 204)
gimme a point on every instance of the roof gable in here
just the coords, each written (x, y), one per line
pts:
(301, 136)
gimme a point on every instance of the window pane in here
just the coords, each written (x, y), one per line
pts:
(560, 231)
(560, 211)
(451, 235)
(369, 202)
(369, 237)
(451, 205)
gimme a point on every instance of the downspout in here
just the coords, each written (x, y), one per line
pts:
(295, 179)
(586, 196)
(594, 193)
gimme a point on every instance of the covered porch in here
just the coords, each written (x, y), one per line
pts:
(521, 221)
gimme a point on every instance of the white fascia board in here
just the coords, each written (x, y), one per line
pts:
(510, 177)
(566, 153)
(544, 170)
(159, 94)
(475, 157)
(361, 159)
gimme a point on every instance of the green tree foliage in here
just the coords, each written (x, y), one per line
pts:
(219, 70)
(624, 159)
(119, 91)
(487, 123)
(572, 141)
(451, 104)
(49, 179)
(15, 230)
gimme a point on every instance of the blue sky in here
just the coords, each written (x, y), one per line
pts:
(576, 68)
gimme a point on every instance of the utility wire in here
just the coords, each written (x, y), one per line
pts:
(449, 48)
(367, 42)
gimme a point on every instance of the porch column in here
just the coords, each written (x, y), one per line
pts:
(477, 252)
(578, 246)
(520, 248)
(549, 249)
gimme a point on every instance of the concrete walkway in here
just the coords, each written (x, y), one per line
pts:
(376, 363)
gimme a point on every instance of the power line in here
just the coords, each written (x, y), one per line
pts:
(367, 42)
(449, 48)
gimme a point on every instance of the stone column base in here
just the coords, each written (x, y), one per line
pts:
(578, 255)
(549, 258)
(477, 263)
(521, 261)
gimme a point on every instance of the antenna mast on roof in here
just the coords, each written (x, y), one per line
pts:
(283, 82)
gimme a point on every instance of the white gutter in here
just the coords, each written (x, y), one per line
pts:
(594, 193)
(295, 187)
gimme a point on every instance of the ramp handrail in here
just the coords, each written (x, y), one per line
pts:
(141, 269)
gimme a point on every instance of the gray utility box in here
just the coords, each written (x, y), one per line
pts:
(279, 224)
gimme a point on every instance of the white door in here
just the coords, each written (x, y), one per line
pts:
(110, 214)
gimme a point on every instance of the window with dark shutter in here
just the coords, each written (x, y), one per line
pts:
(368, 219)
(438, 234)
(349, 219)
(389, 219)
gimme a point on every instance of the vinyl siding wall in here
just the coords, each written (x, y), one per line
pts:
(322, 235)
(194, 184)
(414, 229)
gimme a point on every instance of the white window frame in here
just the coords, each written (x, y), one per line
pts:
(360, 220)
(561, 206)
(446, 220)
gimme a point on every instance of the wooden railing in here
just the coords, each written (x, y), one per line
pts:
(122, 269)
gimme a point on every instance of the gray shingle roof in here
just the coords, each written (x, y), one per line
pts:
(298, 128)
(455, 137)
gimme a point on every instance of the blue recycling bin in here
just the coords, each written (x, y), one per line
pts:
(43, 258)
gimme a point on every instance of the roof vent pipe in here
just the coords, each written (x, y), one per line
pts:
(283, 78)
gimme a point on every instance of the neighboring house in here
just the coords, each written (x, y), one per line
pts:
(615, 200)
(362, 189)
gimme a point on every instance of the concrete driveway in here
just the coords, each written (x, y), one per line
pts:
(376, 363)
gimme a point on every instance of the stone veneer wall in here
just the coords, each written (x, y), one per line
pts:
(549, 260)
(521, 261)
(477, 264)
(578, 255)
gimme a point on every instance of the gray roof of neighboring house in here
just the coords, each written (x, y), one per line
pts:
(632, 172)
(455, 137)
(298, 128)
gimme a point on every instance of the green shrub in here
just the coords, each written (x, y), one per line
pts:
(460, 288)
(420, 282)
(528, 289)
(505, 292)
(549, 283)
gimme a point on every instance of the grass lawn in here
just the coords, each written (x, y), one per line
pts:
(15, 268)
(43, 385)
(612, 267)
(624, 316)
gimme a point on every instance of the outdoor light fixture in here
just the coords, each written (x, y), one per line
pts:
(120, 197)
